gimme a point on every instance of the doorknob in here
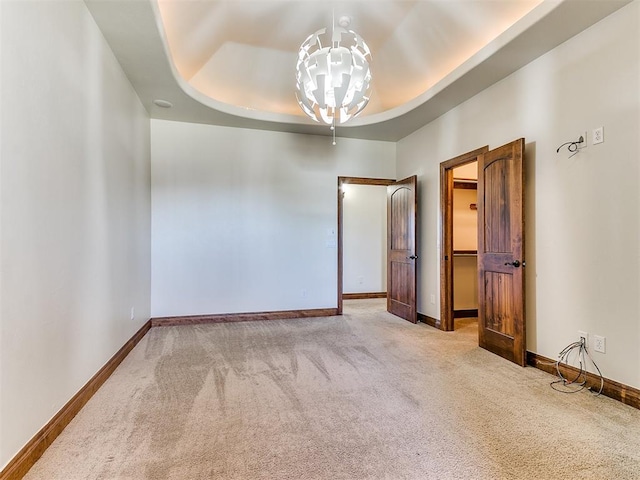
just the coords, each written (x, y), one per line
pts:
(515, 263)
(412, 257)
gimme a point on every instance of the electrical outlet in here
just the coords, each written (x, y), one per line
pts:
(599, 344)
(133, 313)
(583, 336)
(433, 299)
(360, 280)
(598, 135)
(303, 293)
(583, 143)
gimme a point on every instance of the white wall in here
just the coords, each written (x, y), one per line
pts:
(582, 213)
(74, 211)
(364, 239)
(241, 218)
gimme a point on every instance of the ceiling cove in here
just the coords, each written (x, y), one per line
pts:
(233, 63)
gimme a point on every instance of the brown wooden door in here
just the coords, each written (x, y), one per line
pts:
(402, 208)
(501, 322)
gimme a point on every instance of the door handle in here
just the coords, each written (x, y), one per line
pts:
(412, 257)
(515, 263)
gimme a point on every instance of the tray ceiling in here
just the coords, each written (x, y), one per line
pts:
(233, 62)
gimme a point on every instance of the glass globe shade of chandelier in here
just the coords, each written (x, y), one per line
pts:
(333, 78)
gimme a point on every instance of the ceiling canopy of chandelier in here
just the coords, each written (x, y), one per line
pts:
(333, 77)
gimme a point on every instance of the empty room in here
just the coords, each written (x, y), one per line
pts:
(390, 239)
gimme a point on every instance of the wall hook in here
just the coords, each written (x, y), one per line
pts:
(573, 146)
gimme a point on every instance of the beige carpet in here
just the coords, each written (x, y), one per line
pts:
(362, 396)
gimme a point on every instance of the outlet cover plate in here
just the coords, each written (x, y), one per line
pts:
(583, 144)
(584, 335)
(599, 344)
(598, 135)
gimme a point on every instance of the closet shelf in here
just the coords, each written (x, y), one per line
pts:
(465, 253)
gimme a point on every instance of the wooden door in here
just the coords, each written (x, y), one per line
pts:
(402, 210)
(501, 322)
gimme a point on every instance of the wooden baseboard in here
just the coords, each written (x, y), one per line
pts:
(616, 390)
(363, 296)
(428, 320)
(465, 313)
(33, 450)
(242, 317)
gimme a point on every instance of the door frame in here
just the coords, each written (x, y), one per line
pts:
(446, 234)
(382, 182)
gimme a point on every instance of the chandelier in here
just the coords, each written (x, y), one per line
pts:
(332, 75)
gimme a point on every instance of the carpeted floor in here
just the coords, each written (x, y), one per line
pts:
(362, 396)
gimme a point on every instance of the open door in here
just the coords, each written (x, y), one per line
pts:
(501, 322)
(402, 208)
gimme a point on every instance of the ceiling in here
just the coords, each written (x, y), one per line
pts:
(232, 62)
(243, 53)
